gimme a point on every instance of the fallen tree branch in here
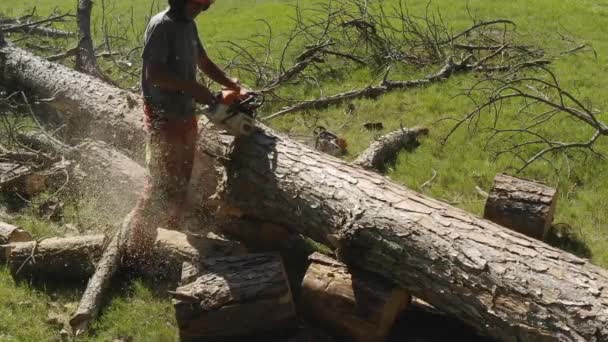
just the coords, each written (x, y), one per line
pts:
(450, 68)
(34, 27)
(100, 281)
(387, 146)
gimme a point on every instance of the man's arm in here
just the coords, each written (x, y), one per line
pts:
(210, 69)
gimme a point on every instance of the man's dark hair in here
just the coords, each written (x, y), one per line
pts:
(177, 9)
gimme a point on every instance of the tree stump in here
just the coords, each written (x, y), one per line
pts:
(235, 296)
(522, 205)
(355, 305)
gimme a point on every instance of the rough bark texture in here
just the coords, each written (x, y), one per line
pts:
(235, 296)
(386, 148)
(503, 283)
(10, 234)
(74, 258)
(91, 108)
(70, 258)
(356, 305)
(522, 205)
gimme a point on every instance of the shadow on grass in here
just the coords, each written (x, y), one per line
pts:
(564, 237)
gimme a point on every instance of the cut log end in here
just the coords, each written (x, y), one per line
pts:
(353, 304)
(10, 234)
(522, 205)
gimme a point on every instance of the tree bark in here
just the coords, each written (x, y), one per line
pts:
(356, 305)
(504, 284)
(90, 108)
(386, 148)
(235, 296)
(524, 206)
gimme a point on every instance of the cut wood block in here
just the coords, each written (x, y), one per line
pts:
(358, 306)
(10, 234)
(522, 205)
(235, 296)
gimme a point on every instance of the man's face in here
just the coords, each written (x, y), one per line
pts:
(195, 7)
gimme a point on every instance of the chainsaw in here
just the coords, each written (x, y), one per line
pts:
(234, 112)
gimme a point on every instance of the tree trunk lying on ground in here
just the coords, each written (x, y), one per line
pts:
(522, 205)
(75, 257)
(386, 148)
(235, 296)
(359, 306)
(90, 108)
(502, 283)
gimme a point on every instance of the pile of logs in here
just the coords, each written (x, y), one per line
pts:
(502, 283)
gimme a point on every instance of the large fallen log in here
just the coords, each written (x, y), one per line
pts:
(235, 296)
(90, 108)
(386, 148)
(502, 283)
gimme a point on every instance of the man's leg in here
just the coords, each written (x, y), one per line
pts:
(183, 135)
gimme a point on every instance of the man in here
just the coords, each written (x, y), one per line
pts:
(172, 51)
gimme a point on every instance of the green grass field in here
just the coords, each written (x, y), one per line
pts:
(460, 165)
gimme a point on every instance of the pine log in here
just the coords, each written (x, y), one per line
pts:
(74, 258)
(71, 258)
(502, 283)
(90, 108)
(356, 305)
(386, 148)
(522, 205)
(235, 296)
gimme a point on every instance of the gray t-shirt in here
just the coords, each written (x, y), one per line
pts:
(175, 44)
